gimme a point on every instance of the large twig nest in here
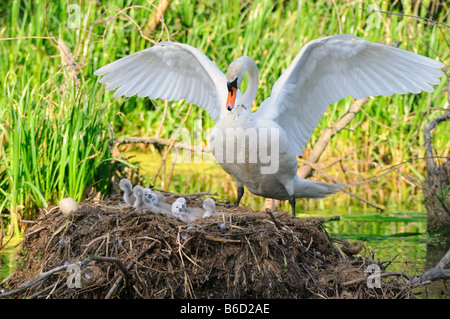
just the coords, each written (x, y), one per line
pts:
(120, 253)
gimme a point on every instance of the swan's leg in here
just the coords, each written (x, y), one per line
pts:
(240, 194)
(291, 191)
(292, 202)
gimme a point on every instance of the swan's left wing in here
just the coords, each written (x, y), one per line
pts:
(169, 71)
(328, 69)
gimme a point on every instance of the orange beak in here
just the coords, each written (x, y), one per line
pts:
(231, 98)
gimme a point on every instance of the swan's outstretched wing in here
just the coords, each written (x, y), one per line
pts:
(328, 69)
(169, 71)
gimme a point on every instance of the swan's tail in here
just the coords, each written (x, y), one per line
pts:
(305, 188)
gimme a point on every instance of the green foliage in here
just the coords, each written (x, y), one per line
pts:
(55, 127)
(443, 194)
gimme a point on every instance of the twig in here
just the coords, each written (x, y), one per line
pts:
(254, 256)
(409, 16)
(1, 246)
(433, 274)
(318, 169)
(277, 224)
(36, 280)
(119, 280)
(223, 240)
(427, 135)
(314, 281)
(47, 274)
(188, 194)
(116, 261)
(170, 146)
(386, 274)
(329, 132)
(157, 17)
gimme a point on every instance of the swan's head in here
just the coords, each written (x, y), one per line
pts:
(235, 74)
(182, 200)
(209, 205)
(125, 185)
(177, 208)
(150, 197)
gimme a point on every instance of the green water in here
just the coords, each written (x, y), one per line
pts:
(8, 254)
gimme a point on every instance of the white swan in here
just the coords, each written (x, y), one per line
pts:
(127, 188)
(323, 72)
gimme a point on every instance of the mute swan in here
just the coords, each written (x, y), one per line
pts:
(325, 71)
(210, 207)
(127, 188)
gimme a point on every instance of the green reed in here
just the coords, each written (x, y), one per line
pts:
(54, 135)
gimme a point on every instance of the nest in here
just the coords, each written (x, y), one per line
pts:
(108, 250)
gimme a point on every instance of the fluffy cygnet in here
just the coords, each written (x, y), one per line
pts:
(182, 200)
(210, 207)
(127, 188)
(140, 203)
(161, 197)
(179, 212)
(150, 197)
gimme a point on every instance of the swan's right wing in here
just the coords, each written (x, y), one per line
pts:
(169, 71)
(329, 69)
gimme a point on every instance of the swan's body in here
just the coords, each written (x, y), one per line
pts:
(127, 188)
(161, 197)
(323, 72)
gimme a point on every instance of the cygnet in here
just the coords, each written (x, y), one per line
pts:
(182, 200)
(127, 188)
(161, 197)
(140, 203)
(210, 207)
(179, 212)
(150, 197)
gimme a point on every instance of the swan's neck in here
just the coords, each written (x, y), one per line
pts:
(250, 67)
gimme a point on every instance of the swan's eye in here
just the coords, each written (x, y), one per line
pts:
(232, 85)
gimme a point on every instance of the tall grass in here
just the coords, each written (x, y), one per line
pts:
(55, 144)
(54, 133)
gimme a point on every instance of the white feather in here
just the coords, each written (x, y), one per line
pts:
(323, 72)
(328, 69)
(173, 71)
